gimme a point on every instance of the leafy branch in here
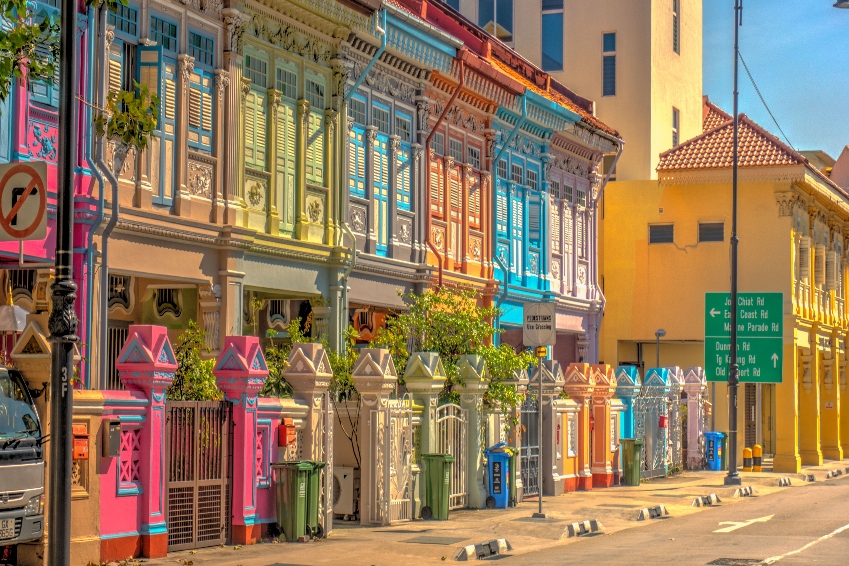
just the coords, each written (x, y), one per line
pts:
(28, 47)
(130, 117)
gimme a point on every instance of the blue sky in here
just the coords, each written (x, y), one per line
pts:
(797, 53)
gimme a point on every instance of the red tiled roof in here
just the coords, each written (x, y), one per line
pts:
(712, 115)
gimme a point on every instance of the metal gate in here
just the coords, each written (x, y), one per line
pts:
(198, 473)
(648, 410)
(530, 447)
(451, 424)
(392, 439)
(675, 424)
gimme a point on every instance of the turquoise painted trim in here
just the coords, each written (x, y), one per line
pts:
(265, 521)
(120, 535)
(132, 418)
(126, 491)
(419, 44)
(377, 54)
(154, 529)
(250, 520)
(549, 105)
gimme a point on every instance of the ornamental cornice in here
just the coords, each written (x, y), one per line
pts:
(787, 175)
(326, 17)
(292, 37)
(589, 137)
(572, 164)
(385, 80)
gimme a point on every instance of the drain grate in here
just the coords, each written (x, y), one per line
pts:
(443, 541)
(735, 562)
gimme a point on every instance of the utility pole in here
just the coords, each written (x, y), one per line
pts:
(733, 370)
(62, 323)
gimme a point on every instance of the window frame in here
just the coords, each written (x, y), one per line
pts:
(706, 237)
(455, 150)
(659, 239)
(438, 148)
(608, 55)
(495, 19)
(676, 127)
(676, 26)
(552, 13)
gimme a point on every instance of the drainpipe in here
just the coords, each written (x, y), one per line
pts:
(93, 93)
(522, 119)
(381, 29)
(427, 172)
(597, 223)
(107, 172)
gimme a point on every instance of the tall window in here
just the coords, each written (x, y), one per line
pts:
(608, 60)
(437, 144)
(496, 17)
(455, 150)
(676, 26)
(314, 92)
(552, 35)
(202, 48)
(676, 120)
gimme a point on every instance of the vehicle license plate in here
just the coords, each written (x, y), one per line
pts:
(7, 528)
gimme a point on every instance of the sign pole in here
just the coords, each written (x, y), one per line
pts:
(733, 379)
(62, 323)
(541, 352)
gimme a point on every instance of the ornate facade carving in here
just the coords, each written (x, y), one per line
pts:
(234, 26)
(200, 179)
(786, 201)
(289, 38)
(465, 120)
(222, 83)
(386, 83)
(186, 64)
(423, 112)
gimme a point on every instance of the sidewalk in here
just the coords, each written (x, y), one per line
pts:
(436, 541)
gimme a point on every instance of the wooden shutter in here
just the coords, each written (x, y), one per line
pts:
(475, 200)
(255, 129)
(437, 183)
(357, 161)
(830, 271)
(116, 66)
(315, 148)
(403, 188)
(555, 228)
(200, 110)
(534, 220)
(819, 266)
(285, 131)
(805, 259)
(150, 73)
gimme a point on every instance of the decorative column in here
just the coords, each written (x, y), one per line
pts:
(240, 372)
(182, 200)
(603, 435)
(579, 385)
(627, 389)
(550, 455)
(371, 236)
(809, 408)
(230, 101)
(475, 377)
(210, 312)
(695, 388)
(520, 382)
(424, 378)
(830, 406)
(147, 364)
(374, 377)
(674, 425)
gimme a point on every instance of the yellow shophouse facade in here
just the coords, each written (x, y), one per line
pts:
(666, 244)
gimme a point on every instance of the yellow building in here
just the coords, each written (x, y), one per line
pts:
(641, 62)
(666, 244)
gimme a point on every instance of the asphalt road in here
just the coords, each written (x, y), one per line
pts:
(800, 525)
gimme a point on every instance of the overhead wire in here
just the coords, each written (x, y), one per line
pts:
(758, 91)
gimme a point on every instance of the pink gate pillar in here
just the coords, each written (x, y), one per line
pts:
(147, 363)
(579, 385)
(603, 433)
(240, 373)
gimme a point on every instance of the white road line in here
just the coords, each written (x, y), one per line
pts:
(775, 559)
(739, 525)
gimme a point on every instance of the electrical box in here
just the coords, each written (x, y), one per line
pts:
(111, 438)
(80, 432)
(286, 432)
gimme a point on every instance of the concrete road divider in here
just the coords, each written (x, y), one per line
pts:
(809, 477)
(833, 474)
(784, 482)
(483, 550)
(656, 512)
(593, 526)
(706, 500)
(746, 491)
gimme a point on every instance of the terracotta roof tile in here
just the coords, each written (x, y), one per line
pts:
(712, 115)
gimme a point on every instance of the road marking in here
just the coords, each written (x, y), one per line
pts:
(775, 559)
(739, 525)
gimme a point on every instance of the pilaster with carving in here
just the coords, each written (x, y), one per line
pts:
(301, 134)
(210, 313)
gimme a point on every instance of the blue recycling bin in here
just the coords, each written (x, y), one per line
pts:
(713, 450)
(498, 464)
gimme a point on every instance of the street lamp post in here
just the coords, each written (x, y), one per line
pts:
(660, 333)
(62, 322)
(733, 370)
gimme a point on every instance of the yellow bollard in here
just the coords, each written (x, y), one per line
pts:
(747, 459)
(757, 457)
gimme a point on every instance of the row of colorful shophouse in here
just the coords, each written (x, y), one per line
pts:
(152, 476)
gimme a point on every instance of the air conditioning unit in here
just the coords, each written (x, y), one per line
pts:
(344, 490)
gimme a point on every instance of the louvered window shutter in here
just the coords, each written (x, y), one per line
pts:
(456, 203)
(357, 158)
(436, 186)
(474, 200)
(116, 66)
(555, 229)
(819, 266)
(805, 259)
(534, 220)
(830, 271)
(501, 213)
(403, 188)
(150, 73)
(315, 148)
(200, 111)
(581, 236)
(567, 229)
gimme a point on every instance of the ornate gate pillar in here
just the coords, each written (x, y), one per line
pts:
(550, 454)
(674, 428)
(147, 363)
(520, 382)
(240, 372)
(603, 435)
(695, 387)
(627, 389)
(475, 377)
(652, 409)
(375, 378)
(579, 385)
(424, 378)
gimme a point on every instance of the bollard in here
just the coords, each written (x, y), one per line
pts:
(757, 458)
(747, 459)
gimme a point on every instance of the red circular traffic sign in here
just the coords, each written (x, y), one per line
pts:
(33, 183)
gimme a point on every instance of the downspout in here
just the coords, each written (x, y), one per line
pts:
(92, 23)
(597, 224)
(107, 172)
(427, 172)
(381, 29)
(493, 232)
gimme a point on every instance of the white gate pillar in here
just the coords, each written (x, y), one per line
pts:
(695, 387)
(549, 453)
(475, 377)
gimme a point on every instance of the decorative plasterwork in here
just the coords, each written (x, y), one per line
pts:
(520, 143)
(222, 82)
(290, 38)
(571, 164)
(589, 137)
(465, 120)
(328, 16)
(787, 175)
(385, 81)
(234, 26)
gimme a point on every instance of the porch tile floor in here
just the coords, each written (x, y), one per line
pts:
(426, 542)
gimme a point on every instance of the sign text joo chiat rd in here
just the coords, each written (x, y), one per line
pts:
(760, 329)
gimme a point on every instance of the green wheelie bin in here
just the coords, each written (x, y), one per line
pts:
(632, 459)
(292, 485)
(314, 528)
(437, 470)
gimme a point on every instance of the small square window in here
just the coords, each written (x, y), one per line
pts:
(711, 231)
(582, 198)
(256, 70)
(287, 83)
(315, 94)
(474, 157)
(661, 233)
(437, 144)
(609, 42)
(455, 150)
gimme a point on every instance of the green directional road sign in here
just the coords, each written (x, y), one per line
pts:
(760, 328)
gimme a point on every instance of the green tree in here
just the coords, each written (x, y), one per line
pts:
(193, 380)
(29, 45)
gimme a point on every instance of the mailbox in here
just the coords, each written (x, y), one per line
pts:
(80, 432)
(286, 432)
(111, 438)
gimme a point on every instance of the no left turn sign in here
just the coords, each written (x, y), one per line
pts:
(23, 201)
